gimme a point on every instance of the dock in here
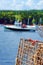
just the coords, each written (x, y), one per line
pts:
(30, 52)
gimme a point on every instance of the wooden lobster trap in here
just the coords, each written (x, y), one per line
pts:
(29, 53)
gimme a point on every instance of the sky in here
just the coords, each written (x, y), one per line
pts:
(21, 4)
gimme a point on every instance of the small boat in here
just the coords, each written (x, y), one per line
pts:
(18, 27)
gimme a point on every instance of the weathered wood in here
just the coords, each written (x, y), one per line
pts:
(29, 54)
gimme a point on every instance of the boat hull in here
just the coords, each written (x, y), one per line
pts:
(19, 29)
(14, 29)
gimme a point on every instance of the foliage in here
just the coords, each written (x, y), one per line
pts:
(19, 15)
(33, 21)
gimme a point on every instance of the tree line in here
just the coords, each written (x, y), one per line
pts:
(10, 16)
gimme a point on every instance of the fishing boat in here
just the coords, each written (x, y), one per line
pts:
(19, 27)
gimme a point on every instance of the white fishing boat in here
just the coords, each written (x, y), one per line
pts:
(19, 27)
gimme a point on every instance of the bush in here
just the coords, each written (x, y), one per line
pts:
(33, 21)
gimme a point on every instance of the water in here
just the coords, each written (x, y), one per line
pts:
(9, 41)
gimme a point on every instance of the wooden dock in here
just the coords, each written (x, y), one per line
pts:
(30, 52)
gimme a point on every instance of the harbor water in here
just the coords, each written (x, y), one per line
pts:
(9, 42)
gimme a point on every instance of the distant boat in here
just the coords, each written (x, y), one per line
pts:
(18, 27)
